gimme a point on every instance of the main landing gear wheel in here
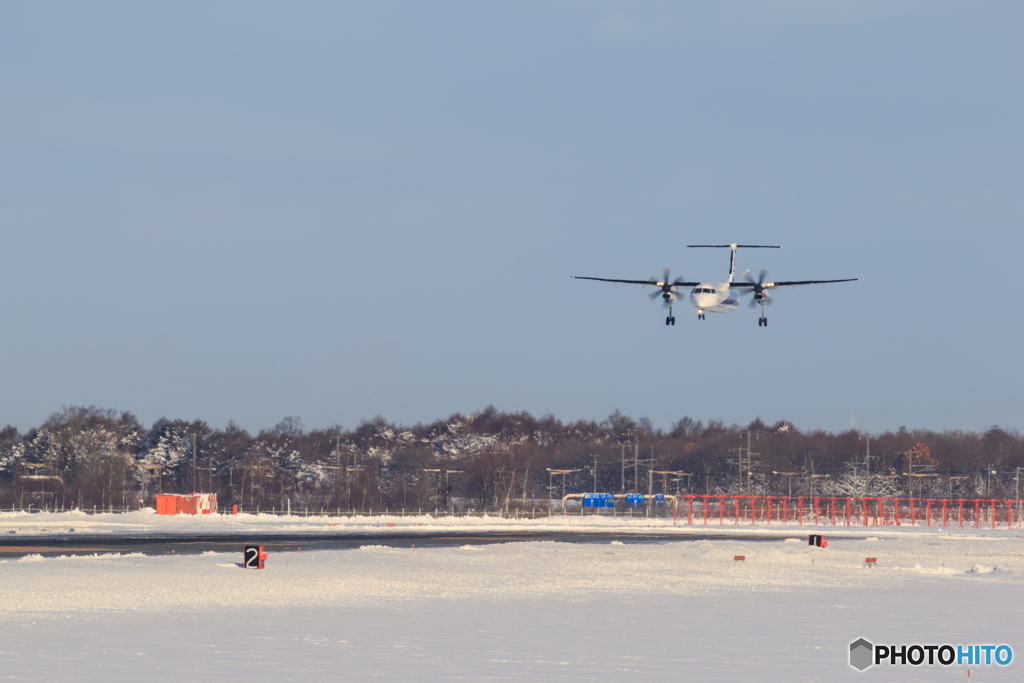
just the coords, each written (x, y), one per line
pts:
(671, 319)
(762, 322)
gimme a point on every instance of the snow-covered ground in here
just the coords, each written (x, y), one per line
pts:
(146, 523)
(537, 611)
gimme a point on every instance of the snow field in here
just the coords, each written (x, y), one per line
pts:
(538, 611)
(374, 573)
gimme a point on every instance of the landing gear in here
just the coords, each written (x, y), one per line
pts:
(700, 314)
(670, 320)
(762, 321)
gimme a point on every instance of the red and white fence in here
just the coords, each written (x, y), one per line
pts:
(847, 511)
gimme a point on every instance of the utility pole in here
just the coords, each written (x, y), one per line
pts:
(789, 476)
(650, 473)
(664, 478)
(750, 463)
(194, 461)
(811, 476)
(337, 467)
(636, 463)
(636, 460)
(595, 456)
(561, 472)
(951, 479)
(910, 472)
(636, 467)
(867, 464)
(622, 444)
(437, 483)
(739, 466)
(745, 463)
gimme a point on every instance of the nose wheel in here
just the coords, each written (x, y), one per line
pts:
(700, 314)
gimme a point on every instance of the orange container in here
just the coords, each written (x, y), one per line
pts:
(186, 504)
(167, 504)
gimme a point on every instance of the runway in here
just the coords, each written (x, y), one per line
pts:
(171, 544)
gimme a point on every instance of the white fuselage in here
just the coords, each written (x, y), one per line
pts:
(714, 297)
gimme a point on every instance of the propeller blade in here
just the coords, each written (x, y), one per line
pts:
(654, 295)
(665, 276)
(760, 278)
(753, 303)
(746, 276)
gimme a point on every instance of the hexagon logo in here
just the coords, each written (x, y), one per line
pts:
(862, 654)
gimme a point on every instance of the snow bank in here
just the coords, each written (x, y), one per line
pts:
(144, 522)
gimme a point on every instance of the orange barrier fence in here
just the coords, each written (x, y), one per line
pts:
(851, 511)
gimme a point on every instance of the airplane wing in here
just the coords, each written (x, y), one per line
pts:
(636, 282)
(792, 283)
(796, 283)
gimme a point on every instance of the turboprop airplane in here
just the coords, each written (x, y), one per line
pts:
(717, 297)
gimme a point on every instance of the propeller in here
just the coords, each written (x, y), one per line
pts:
(758, 290)
(666, 287)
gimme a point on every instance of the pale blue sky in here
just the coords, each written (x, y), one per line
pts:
(335, 210)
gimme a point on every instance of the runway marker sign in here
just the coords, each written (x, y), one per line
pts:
(253, 557)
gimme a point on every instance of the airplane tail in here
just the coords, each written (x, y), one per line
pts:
(732, 252)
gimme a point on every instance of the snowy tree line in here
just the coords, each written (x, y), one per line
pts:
(86, 457)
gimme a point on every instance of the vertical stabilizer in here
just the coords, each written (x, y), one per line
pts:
(732, 252)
